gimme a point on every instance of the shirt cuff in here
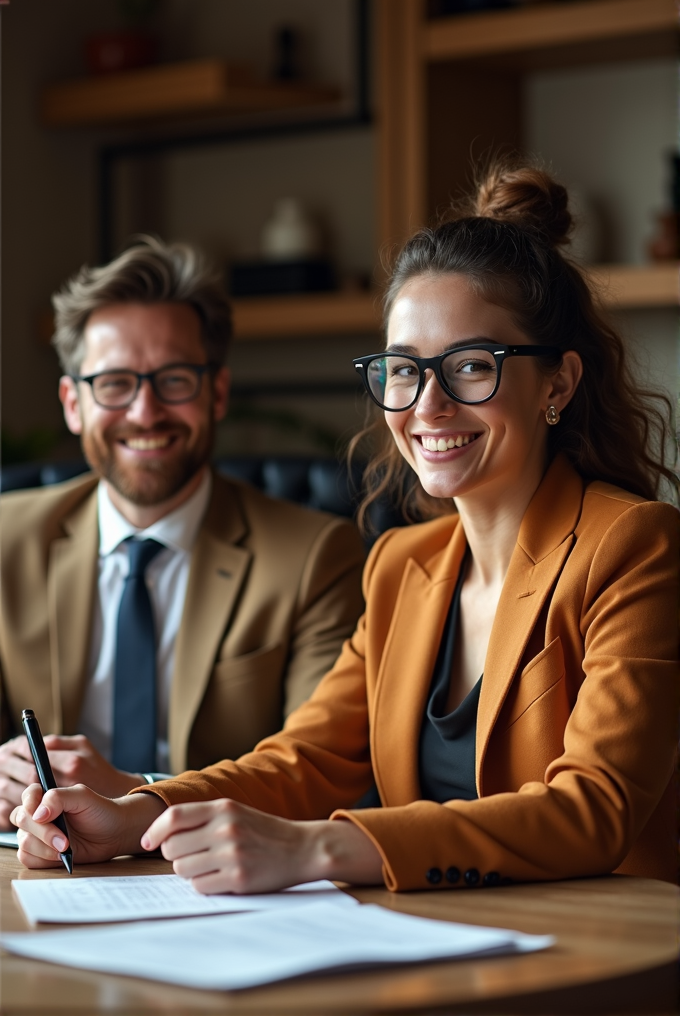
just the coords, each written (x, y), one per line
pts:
(155, 777)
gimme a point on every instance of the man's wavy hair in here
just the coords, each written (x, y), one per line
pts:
(148, 272)
(507, 240)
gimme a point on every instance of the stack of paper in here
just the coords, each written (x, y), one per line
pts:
(140, 897)
(245, 950)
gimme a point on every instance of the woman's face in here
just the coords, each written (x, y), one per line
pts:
(498, 444)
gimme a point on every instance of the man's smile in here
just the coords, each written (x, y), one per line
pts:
(148, 444)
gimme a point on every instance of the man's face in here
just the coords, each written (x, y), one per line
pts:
(149, 451)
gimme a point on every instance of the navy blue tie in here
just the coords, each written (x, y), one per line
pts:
(134, 695)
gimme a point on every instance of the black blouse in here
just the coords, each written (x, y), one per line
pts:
(447, 741)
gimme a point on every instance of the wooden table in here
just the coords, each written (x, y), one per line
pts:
(617, 942)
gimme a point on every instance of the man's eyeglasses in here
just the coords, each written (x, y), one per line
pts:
(468, 374)
(173, 384)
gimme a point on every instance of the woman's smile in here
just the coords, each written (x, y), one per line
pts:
(437, 447)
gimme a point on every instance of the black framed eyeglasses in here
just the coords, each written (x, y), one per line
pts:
(173, 384)
(468, 374)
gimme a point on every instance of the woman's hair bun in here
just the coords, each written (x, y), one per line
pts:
(527, 196)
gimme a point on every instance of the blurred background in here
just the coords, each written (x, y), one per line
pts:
(299, 141)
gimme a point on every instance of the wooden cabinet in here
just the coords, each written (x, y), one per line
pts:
(453, 86)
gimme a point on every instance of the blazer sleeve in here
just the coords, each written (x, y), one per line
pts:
(328, 605)
(619, 743)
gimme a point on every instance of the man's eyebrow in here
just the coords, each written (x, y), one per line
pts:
(406, 350)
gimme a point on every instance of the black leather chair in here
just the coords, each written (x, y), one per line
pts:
(24, 475)
(319, 483)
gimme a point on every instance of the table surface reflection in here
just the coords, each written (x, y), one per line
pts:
(616, 949)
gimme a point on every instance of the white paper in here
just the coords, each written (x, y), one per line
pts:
(70, 900)
(9, 840)
(245, 950)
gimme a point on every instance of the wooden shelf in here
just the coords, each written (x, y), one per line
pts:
(285, 317)
(305, 315)
(630, 286)
(605, 28)
(288, 317)
(169, 90)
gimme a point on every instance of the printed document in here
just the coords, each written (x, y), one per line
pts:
(140, 897)
(244, 950)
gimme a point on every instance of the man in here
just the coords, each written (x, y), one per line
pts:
(157, 616)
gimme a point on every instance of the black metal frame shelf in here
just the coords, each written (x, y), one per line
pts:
(110, 155)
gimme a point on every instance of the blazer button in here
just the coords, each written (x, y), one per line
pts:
(491, 878)
(434, 876)
(452, 875)
(471, 876)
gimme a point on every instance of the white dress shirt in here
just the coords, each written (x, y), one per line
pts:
(166, 578)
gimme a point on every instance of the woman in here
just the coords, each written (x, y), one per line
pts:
(506, 396)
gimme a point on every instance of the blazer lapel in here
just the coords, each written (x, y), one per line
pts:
(218, 569)
(406, 670)
(71, 581)
(543, 545)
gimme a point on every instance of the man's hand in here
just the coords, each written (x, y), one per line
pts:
(99, 828)
(75, 760)
(16, 772)
(223, 846)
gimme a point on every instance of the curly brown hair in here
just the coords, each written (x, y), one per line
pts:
(506, 239)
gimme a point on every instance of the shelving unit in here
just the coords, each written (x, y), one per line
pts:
(283, 317)
(620, 287)
(190, 105)
(453, 85)
(465, 72)
(621, 29)
(194, 87)
(628, 287)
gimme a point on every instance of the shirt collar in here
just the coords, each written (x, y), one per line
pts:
(176, 530)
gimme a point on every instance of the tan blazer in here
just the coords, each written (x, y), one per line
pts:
(578, 715)
(274, 589)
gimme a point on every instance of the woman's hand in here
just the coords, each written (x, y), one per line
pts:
(223, 846)
(99, 828)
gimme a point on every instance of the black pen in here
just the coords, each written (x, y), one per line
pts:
(45, 774)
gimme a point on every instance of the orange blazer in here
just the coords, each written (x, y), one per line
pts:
(578, 714)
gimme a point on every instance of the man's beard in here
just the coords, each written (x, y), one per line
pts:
(155, 482)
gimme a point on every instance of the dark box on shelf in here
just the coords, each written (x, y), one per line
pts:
(266, 278)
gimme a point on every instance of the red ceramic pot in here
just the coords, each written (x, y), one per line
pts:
(119, 51)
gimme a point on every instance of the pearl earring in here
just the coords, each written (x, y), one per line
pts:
(552, 416)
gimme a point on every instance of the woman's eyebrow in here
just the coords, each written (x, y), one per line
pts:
(412, 351)
(399, 348)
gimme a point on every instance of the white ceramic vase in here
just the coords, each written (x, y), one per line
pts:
(289, 234)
